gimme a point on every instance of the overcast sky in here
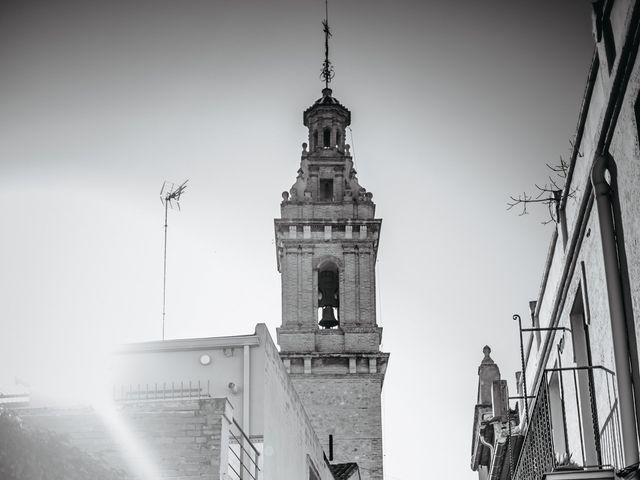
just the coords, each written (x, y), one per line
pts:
(455, 106)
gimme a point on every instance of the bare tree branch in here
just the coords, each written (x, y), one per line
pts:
(548, 194)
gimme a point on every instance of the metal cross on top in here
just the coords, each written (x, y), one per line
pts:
(327, 68)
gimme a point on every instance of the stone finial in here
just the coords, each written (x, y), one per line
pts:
(285, 196)
(347, 147)
(299, 187)
(487, 354)
(304, 147)
(488, 373)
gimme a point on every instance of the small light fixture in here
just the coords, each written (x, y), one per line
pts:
(205, 359)
(233, 388)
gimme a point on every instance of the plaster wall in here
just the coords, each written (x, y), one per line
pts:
(163, 364)
(625, 152)
(588, 143)
(291, 443)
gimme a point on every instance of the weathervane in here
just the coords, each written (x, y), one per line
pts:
(327, 68)
(168, 195)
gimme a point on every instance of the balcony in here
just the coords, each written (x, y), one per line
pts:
(574, 427)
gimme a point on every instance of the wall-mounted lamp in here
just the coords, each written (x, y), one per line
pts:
(233, 388)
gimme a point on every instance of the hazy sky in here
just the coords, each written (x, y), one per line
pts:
(455, 106)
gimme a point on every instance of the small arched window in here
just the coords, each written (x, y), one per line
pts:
(314, 145)
(338, 143)
(327, 137)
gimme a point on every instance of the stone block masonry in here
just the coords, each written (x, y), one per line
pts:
(178, 439)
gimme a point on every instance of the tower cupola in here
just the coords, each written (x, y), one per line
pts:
(327, 120)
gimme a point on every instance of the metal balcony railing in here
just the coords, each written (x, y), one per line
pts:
(537, 454)
(564, 431)
(244, 457)
(611, 439)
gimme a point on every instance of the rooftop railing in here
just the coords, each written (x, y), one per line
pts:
(161, 391)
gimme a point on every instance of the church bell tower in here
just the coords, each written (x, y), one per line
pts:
(327, 243)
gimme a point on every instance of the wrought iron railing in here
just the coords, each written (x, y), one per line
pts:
(537, 455)
(161, 391)
(564, 431)
(243, 455)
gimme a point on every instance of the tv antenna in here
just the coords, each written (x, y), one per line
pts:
(169, 194)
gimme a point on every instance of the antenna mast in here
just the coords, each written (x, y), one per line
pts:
(168, 195)
(327, 69)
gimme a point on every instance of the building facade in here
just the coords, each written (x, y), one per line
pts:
(327, 242)
(236, 407)
(574, 413)
(222, 408)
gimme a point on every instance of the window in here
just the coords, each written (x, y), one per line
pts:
(326, 190)
(556, 410)
(314, 145)
(338, 138)
(327, 137)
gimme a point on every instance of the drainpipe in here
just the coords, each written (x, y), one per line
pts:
(491, 449)
(602, 192)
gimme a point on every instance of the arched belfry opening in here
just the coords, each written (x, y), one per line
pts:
(327, 137)
(328, 295)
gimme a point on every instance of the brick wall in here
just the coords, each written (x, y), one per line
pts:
(178, 440)
(349, 408)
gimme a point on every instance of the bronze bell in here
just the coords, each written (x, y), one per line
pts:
(328, 319)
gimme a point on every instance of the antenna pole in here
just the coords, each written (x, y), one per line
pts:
(167, 196)
(164, 278)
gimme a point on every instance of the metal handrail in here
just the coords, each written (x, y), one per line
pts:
(589, 367)
(240, 439)
(244, 435)
(240, 444)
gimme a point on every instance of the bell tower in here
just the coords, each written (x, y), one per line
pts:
(327, 243)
